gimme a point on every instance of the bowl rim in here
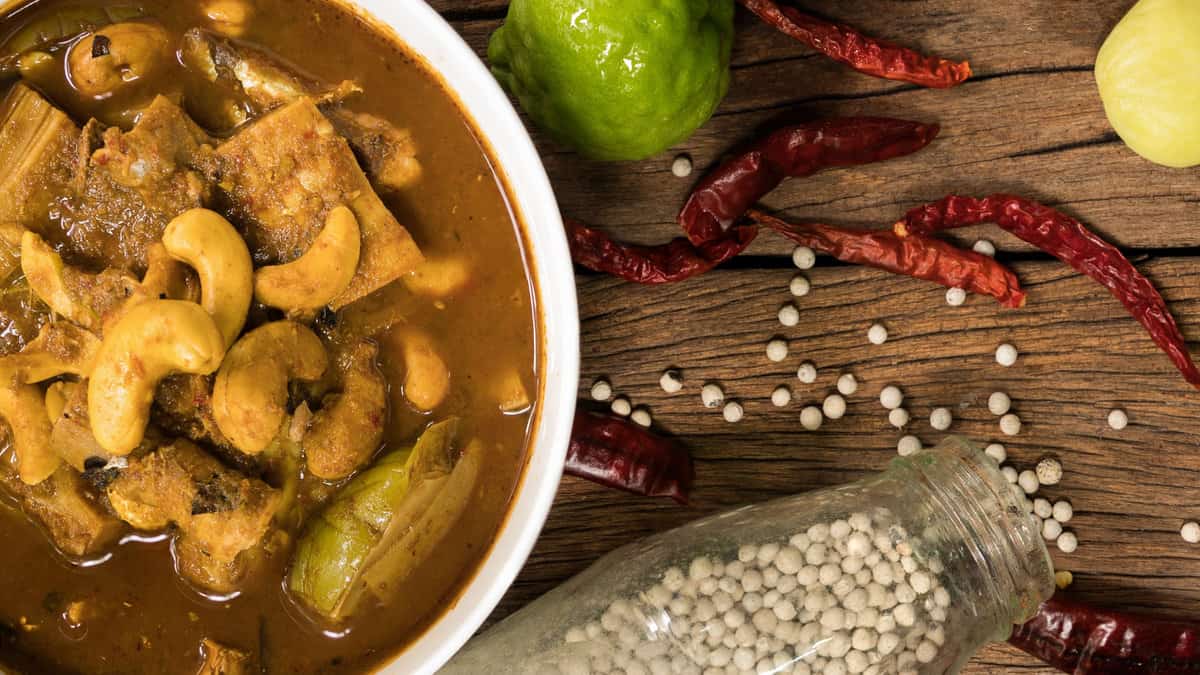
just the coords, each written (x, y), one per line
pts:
(426, 35)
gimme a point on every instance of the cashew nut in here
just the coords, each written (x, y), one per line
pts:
(324, 271)
(349, 428)
(250, 395)
(167, 278)
(210, 244)
(59, 349)
(152, 339)
(439, 277)
(22, 406)
(426, 377)
(57, 395)
(44, 269)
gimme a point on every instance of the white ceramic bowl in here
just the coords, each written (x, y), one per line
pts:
(425, 33)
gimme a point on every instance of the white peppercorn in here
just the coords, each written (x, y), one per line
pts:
(1118, 419)
(621, 406)
(1042, 508)
(1049, 471)
(908, 445)
(671, 381)
(1010, 425)
(1062, 511)
(941, 419)
(781, 397)
(789, 315)
(1051, 529)
(1190, 532)
(712, 395)
(807, 373)
(777, 350)
(997, 452)
(955, 297)
(847, 384)
(811, 418)
(891, 397)
(1067, 542)
(733, 412)
(877, 334)
(804, 257)
(1028, 481)
(834, 406)
(799, 286)
(1006, 355)
(999, 403)
(641, 416)
(984, 247)
(601, 390)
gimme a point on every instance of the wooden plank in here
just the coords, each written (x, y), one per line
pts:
(1029, 122)
(1081, 355)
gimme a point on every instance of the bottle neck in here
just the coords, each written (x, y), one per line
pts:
(1002, 557)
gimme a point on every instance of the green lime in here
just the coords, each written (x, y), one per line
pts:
(616, 79)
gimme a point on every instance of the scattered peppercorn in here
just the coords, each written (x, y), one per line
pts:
(997, 452)
(908, 445)
(1042, 507)
(898, 417)
(1010, 474)
(811, 418)
(601, 390)
(789, 315)
(807, 373)
(781, 396)
(1190, 532)
(1062, 511)
(671, 381)
(999, 403)
(1051, 529)
(877, 334)
(621, 406)
(712, 395)
(1010, 424)
(641, 416)
(984, 247)
(834, 406)
(955, 297)
(1028, 481)
(891, 397)
(777, 350)
(682, 166)
(733, 412)
(1118, 419)
(847, 384)
(800, 286)
(1006, 355)
(804, 257)
(1049, 471)
(941, 419)
(1067, 542)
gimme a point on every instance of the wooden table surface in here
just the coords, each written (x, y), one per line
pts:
(1029, 121)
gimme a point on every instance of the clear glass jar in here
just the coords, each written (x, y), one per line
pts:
(909, 571)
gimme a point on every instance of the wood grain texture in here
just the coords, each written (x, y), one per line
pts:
(1030, 122)
(1081, 356)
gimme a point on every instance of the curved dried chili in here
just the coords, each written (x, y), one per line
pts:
(725, 193)
(615, 452)
(1078, 638)
(920, 257)
(1071, 242)
(861, 52)
(675, 261)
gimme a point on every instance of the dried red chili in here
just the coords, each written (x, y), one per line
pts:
(1071, 242)
(724, 194)
(617, 453)
(861, 52)
(1078, 638)
(920, 257)
(674, 261)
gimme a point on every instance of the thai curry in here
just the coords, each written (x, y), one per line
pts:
(268, 340)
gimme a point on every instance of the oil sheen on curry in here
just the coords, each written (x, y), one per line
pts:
(268, 340)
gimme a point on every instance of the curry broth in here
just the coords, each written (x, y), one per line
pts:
(141, 617)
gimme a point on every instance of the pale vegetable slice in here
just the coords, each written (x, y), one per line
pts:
(1150, 83)
(342, 542)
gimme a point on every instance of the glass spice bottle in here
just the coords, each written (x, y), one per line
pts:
(909, 571)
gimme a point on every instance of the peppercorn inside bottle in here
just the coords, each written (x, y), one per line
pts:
(911, 570)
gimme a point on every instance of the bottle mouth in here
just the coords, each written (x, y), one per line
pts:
(991, 516)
